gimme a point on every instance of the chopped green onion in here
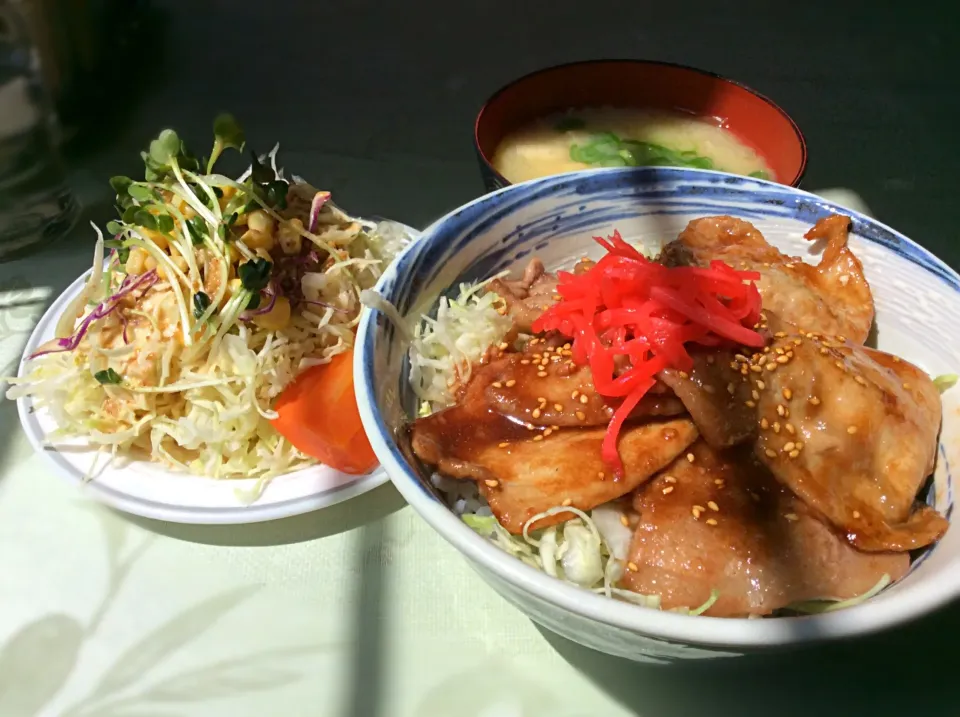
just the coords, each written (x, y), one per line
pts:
(107, 376)
(760, 174)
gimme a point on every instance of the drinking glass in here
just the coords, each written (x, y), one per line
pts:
(36, 204)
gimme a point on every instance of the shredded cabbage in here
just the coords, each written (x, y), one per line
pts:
(815, 607)
(575, 551)
(443, 349)
(945, 381)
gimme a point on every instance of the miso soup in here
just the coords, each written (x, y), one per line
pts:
(622, 137)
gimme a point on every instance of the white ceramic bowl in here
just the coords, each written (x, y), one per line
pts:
(917, 299)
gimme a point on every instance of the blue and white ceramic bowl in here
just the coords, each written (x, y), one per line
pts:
(918, 305)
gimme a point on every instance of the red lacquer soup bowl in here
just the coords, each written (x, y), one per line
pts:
(753, 119)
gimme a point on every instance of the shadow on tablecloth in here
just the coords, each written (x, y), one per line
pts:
(904, 671)
(363, 510)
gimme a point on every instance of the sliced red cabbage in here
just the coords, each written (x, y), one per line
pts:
(319, 199)
(101, 311)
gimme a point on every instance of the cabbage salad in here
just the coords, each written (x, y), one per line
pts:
(206, 299)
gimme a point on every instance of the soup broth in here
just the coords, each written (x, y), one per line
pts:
(623, 137)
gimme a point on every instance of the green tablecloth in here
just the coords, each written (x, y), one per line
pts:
(359, 610)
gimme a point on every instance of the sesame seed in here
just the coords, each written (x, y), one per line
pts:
(761, 385)
(556, 428)
(567, 345)
(783, 359)
(541, 374)
(503, 445)
(566, 502)
(733, 365)
(815, 401)
(838, 364)
(558, 407)
(709, 389)
(669, 479)
(511, 383)
(538, 437)
(537, 356)
(683, 374)
(791, 516)
(632, 567)
(794, 453)
(600, 475)
(906, 386)
(842, 339)
(771, 366)
(492, 483)
(497, 384)
(696, 510)
(525, 362)
(789, 446)
(797, 342)
(711, 521)
(790, 429)
(581, 416)
(574, 395)
(712, 506)
(787, 393)
(851, 430)
(542, 401)
(529, 426)
(861, 380)
(764, 423)
(856, 514)
(584, 399)
(823, 351)
(779, 351)
(624, 521)
(781, 409)
(780, 334)
(896, 359)
(547, 432)
(756, 395)
(776, 426)
(536, 413)
(749, 404)
(770, 453)
(691, 458)
(503, 345)
(718, 482)
(731, 388)
(757, 368)
(667, 490)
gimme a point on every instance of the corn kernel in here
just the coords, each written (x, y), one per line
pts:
(277, 318)
(289, 236)
(149, 263)
(257, 240)
(228, 194)
(135, 262)
(258, 220)
(156, 237)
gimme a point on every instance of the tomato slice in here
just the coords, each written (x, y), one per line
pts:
(318, 414)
